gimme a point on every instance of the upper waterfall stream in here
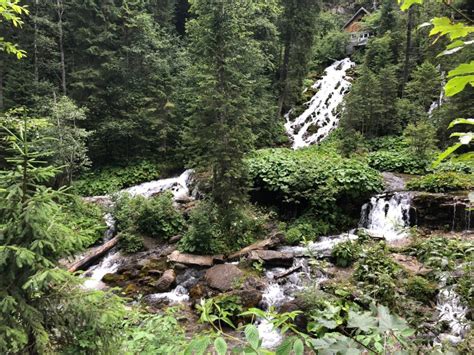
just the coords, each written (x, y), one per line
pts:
(321, 117)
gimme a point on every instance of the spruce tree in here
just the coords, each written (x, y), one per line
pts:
(43, 309)
(297, 29)
(227, 63)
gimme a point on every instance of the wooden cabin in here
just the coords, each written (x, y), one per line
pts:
(359, 36)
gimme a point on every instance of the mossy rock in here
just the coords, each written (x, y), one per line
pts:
(421, 289)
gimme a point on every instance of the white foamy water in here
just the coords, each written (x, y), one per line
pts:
(321, 115)
(387, 216)
(177, 295)
(452, 311)
(177, 185)
(94, 275)
(320, 248)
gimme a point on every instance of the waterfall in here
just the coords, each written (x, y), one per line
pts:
(387, 216)
(180, 190)
(177, 185)
(321, 115)
(94, 275)
(451, 310)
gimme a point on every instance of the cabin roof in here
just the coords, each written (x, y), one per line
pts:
(362, 11)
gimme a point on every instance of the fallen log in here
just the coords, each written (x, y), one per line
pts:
(93, 255)
(260, 245)
(288, 272)
(191, 259)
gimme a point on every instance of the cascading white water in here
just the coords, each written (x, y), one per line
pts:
(177, 295)
(320, 248)
(387, 216)
(94, 275)
(321, 114)
(177, 185)
(451, 310)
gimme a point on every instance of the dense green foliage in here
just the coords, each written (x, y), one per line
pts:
(155, 217)
(442, 182)
(316, 177)
(206, 235)
(111, 179)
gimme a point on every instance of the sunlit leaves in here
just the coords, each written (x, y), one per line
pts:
(406, 4)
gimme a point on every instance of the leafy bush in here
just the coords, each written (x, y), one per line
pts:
(130, 242)
(159, 218)
(111, 179)
(304, 228)
(313, 176)
(126, 210)
(401, 161)
(440, 252)
(223, 310)
(209, 234)
(155, 217)
(420, 289)
(442, 182)
(378, 273)
(145, 333)
(346, 253)
(85, 219)
(421, 138)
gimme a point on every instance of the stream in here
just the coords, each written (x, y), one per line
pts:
(386, 216)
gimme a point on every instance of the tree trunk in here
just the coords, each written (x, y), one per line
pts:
(60, 10)
(406, 66)
(284, 77)
(1, 85)
(35, 43)
(93, 255)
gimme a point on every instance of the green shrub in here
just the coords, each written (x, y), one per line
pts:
(85, 219)
(158, 218)
(301, 230)
(315, 176)
(378, 273)
(111, 179)
(126, 210)
(442, 182)
(208, 232)
(346, 253)
(421, 289)
(130, 242)
(155, 217)
(441, 252)
(400, 161)
(222, 310)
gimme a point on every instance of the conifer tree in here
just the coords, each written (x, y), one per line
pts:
(227, 63)
(42, 307)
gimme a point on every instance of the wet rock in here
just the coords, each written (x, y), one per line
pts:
(189, 278)
(442, 211)
(131, 289)
(223, 277)
(179, 266)
(166, 281)
(272, 257)
(197, 292)
(250, 298)
(190, 259)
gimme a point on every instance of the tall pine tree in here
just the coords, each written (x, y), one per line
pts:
(227, 66)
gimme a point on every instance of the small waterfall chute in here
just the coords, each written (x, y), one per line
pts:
(387, 216)
(321, 115)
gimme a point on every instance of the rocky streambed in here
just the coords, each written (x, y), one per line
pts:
(270, 274)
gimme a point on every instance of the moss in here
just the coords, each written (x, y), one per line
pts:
(421, 289)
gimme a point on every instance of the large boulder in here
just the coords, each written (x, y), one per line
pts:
(166, 280)
(223, 277)
(272, 257)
